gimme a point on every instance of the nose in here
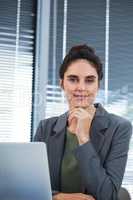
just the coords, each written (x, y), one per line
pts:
(81, 85)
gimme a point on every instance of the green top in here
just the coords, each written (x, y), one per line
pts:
(70, 173)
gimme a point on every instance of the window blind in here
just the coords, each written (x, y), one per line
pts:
(17, 34)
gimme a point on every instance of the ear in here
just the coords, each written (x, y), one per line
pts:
(61, 83)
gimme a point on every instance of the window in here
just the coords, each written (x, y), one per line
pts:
(17, 35)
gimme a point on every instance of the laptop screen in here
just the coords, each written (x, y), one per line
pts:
(24, 172)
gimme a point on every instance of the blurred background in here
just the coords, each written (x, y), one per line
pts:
(35, 35)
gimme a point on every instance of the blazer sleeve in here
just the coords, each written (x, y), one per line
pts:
(103, 181)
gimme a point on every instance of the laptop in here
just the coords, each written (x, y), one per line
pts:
(24, 172)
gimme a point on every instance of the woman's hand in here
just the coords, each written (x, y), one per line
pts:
(72, 196)
(82, 118)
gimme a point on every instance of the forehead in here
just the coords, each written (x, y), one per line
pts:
(81, 67)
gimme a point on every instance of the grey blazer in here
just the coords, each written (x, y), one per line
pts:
(102, 160)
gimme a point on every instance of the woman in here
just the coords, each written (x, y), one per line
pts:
(87, 146)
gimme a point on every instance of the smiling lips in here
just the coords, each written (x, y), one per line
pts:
(80, 97)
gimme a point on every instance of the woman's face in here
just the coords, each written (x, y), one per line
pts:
(80, 84)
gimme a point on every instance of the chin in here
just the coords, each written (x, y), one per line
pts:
(81, 105)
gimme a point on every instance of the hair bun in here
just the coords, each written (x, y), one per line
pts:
(81, 48)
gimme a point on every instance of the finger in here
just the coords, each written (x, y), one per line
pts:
(72, 113)
(81, 196)
(73, 110)
(78, 111)
(91, 197)
(75, 116)
(71, 119)
(76, 108)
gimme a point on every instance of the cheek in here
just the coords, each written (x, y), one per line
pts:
(93, 89)
(68, 93)
(67, 87)
(96, 90)
(67, 90)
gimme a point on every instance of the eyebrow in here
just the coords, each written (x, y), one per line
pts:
(86, 77)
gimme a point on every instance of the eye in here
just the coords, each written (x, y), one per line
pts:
(73, 80)
(89, 80)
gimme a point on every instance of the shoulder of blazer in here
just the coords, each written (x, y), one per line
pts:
(109, 124)
(49, 126)
(45, 129)
(118, 120)
(123, 125)
(118, 127)
(112, 118)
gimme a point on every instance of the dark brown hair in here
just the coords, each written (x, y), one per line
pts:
(81, 52)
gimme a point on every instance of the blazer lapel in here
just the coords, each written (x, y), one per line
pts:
(99, 125)
(56, 149)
